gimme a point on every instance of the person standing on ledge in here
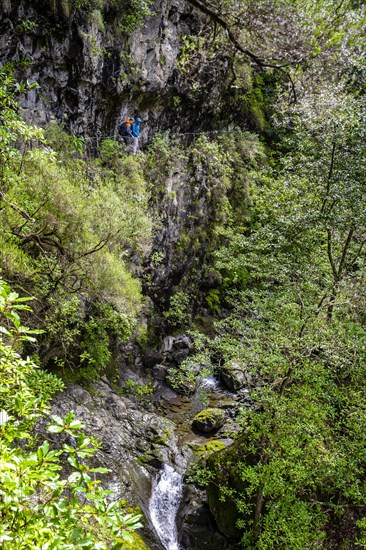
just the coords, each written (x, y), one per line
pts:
(125, 130)
(136, 134)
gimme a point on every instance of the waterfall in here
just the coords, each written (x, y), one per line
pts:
(164, 504)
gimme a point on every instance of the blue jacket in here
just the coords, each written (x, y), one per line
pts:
(136, 128)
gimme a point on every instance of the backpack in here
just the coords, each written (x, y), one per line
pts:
(124, 128)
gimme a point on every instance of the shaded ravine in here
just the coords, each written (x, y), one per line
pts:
(168, 489)
(147, 455)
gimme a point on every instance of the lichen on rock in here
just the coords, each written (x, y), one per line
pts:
(209, 420)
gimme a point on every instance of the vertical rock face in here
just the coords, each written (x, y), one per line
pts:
(91, 70)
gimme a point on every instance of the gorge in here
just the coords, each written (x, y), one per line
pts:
(199, 305)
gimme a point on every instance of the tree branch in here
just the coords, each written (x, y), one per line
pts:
(210, 11)
(344, 253)
(330, 173)
(330, 255)
(358, 253)
(15, 207)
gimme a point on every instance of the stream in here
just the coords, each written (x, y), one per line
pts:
(167, 486)
(164, 503)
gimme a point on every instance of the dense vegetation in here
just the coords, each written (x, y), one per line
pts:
(43, 504)
(292, 267)
(127, 15)
(277, 277)
(71, 230)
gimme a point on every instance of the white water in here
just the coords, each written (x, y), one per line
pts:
(164, 503)
(210, 383)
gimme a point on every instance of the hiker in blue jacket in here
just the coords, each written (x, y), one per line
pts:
(136, 134)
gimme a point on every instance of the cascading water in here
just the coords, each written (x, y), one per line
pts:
(210, 383)
(164, 504)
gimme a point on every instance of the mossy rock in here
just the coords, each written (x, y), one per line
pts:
(209, 420)
(161, 440)
(151, 456)
(182, 385)
(136, 544)
(234, 375)
(225, 512)
(208, 448)
(225, 467)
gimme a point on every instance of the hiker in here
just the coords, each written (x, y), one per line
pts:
(125, 130)
(136, 134)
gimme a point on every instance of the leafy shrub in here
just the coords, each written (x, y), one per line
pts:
(177, 314)
(71, 230)
(41, 505)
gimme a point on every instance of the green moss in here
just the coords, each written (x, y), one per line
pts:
(208, 448)
(208, 413)
(151, 456)
(143, 459)
(160, 440)
(136, 544)
(209, 420)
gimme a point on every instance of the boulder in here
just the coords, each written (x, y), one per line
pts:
(225, 467)
(235, 376)
(197, 527)
(160, 372)
(222, 466)
(183, 385)
(176, 348)
(213, 446)
(152, 358)
(209, 420)
(180, 355)
(182, 341)
(225, 512)
(167, 345)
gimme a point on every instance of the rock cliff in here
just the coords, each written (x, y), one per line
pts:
(92, 68)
